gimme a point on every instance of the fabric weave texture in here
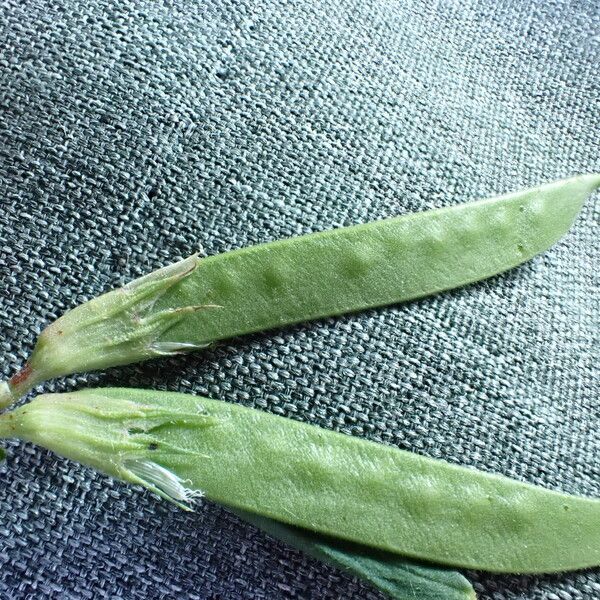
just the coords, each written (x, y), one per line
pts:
(134, 133)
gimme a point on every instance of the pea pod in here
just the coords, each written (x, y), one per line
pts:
(398, 577)
(188, 305)
(182, 446)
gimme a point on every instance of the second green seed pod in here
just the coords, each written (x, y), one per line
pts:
(182, 446)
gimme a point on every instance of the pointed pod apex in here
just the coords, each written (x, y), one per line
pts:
(589, 182)
(573, 191)
(548, 211)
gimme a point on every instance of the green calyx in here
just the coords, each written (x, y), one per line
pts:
(117, 328)
(120, 438)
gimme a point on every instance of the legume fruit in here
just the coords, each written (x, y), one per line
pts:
(190, 304)
(398, 577)
(360, 491)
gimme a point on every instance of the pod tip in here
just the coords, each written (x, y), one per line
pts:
(592, 181)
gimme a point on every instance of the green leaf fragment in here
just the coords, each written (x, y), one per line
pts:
(398, 577)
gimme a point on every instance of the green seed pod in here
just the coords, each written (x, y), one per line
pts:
(183, 447)
(398, 577)
(188, 305)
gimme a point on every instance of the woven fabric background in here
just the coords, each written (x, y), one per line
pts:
(133, 133)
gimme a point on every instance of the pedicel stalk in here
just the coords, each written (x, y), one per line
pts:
(188, 305)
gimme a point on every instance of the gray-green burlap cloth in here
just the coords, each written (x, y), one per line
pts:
(133, 133)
